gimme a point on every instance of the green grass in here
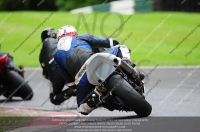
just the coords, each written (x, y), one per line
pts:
(12, 121)
(144, 27)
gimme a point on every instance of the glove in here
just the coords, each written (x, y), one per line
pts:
(113, 42)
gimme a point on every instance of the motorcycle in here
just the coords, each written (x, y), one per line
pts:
(116, 85)
(12, 84)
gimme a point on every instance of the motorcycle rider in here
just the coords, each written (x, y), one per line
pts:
(73, 51)
(46, 58)
(8, 74)
(11, 65)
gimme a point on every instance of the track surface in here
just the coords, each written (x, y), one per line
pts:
(171, 92)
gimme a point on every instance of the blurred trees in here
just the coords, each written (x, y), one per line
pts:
(13, 5)
(72, 4)
(66, 5)
(177, 5)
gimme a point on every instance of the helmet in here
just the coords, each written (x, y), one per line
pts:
(66, 31)
(47, 33)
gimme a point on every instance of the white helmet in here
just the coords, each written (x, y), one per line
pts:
(67, 30)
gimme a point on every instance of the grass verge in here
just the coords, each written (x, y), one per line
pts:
(167, 38)
(13, 121)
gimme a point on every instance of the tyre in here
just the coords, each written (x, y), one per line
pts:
(8, 95)
(129, 96)
(17, 86)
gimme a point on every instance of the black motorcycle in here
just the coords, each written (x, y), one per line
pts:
(118, 86)
(12, 84)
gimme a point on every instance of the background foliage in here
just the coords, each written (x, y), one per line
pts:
(66, 5)
(45, 5)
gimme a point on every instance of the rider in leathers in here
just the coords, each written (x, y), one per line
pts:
(46, 58)
(10, 74)
(74, 50)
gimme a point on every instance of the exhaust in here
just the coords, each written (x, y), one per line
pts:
(127, 68)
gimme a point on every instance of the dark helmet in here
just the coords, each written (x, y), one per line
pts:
(48, 32)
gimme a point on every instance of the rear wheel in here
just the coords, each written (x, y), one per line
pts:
(17, 86)
(8, 95)
(129, 96)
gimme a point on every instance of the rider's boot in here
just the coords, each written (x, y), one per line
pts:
(84, 109)
(89, 105)
(64, 95)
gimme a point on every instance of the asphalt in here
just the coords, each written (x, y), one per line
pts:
(173, 93)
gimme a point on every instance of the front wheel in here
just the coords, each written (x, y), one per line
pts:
(129, 96)
(16, 86)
